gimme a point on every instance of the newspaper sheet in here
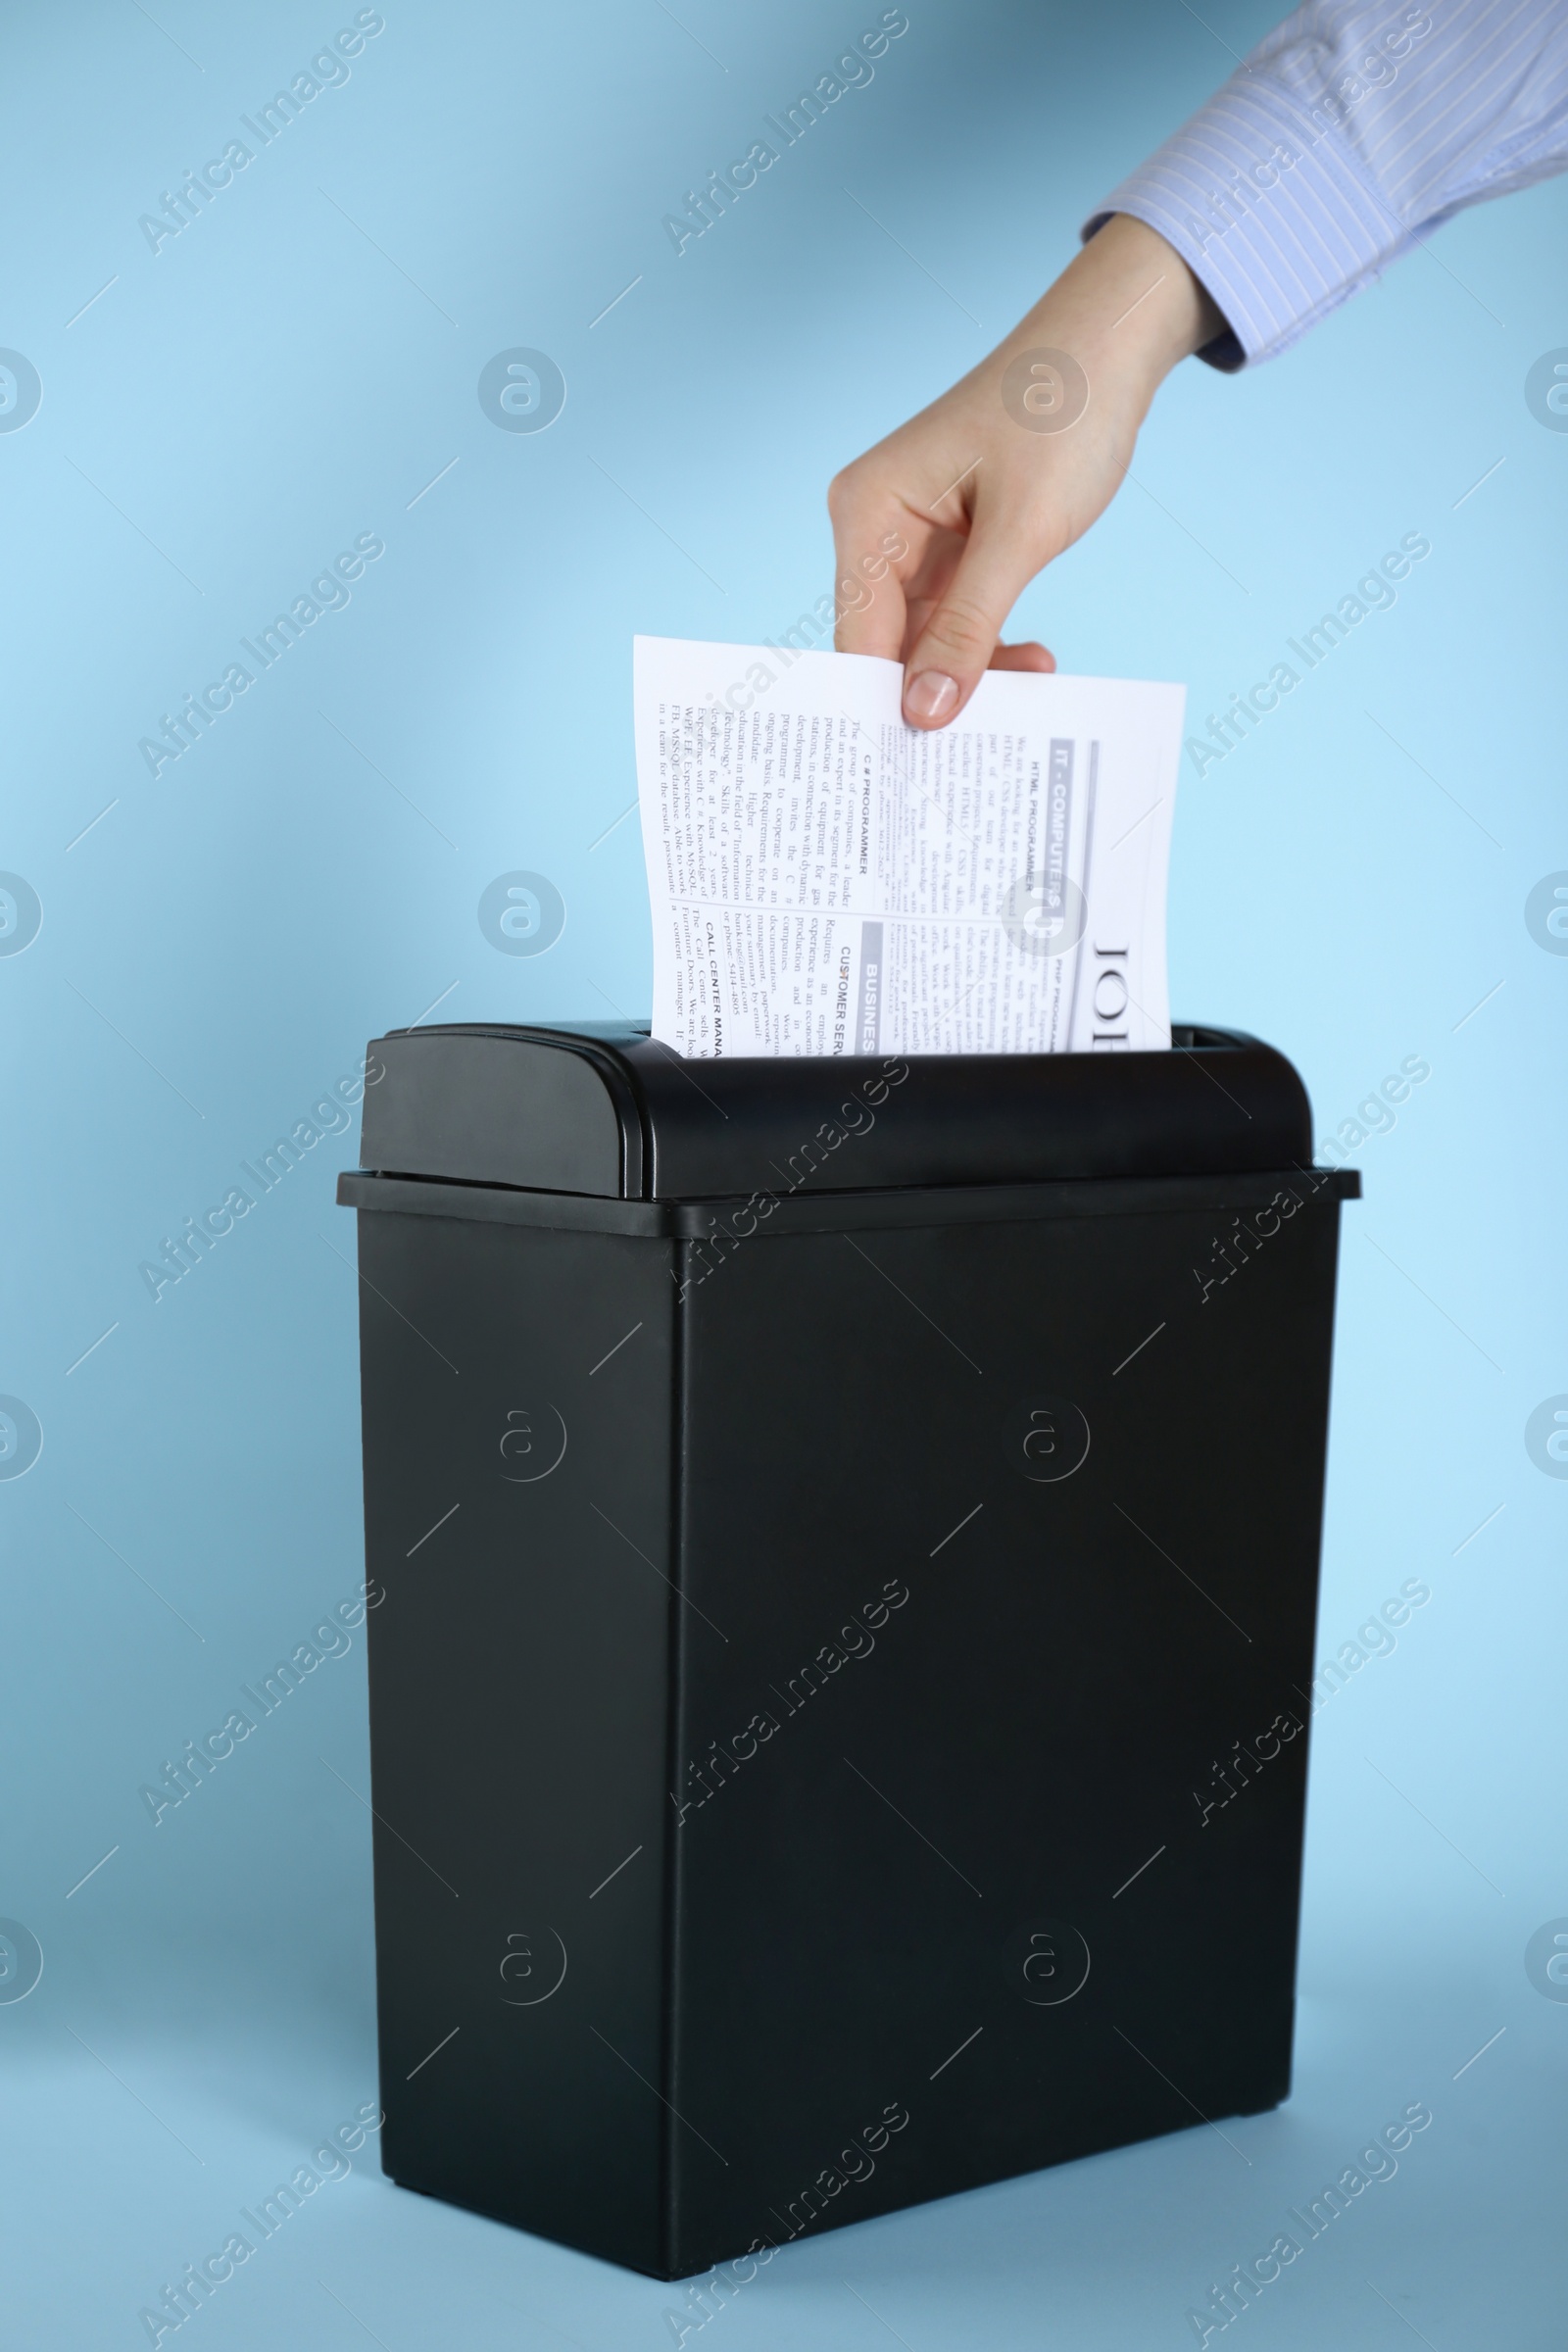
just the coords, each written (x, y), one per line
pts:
(826, 880)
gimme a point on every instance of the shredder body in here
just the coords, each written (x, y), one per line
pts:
(838, 1659)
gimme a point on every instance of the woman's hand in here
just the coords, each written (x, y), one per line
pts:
(985, 487)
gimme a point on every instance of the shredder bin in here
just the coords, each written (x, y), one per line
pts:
(844, 1537)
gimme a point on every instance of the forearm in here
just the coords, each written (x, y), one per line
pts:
(1352, 128)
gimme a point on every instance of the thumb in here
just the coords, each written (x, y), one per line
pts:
(952, 653)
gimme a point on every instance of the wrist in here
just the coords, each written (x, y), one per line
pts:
(1127, 308)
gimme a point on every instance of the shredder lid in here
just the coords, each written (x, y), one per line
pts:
(604, 1109)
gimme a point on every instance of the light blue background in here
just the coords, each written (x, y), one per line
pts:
(214, 429)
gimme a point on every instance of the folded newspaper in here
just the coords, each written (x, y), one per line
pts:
(827, 880)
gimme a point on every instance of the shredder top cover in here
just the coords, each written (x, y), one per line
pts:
(606, 1110)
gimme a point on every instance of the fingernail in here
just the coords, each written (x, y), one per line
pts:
(931, 695)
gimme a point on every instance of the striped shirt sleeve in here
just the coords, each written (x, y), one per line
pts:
(1343, 137)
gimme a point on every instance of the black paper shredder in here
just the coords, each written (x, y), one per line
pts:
(847, 1539)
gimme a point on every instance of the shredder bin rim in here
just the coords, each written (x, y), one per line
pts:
(830, 1213)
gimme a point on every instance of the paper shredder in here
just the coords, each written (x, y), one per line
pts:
(845, 1539)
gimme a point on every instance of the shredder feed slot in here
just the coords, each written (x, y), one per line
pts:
(610, 1112)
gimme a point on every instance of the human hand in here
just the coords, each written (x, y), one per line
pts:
(955, 512)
